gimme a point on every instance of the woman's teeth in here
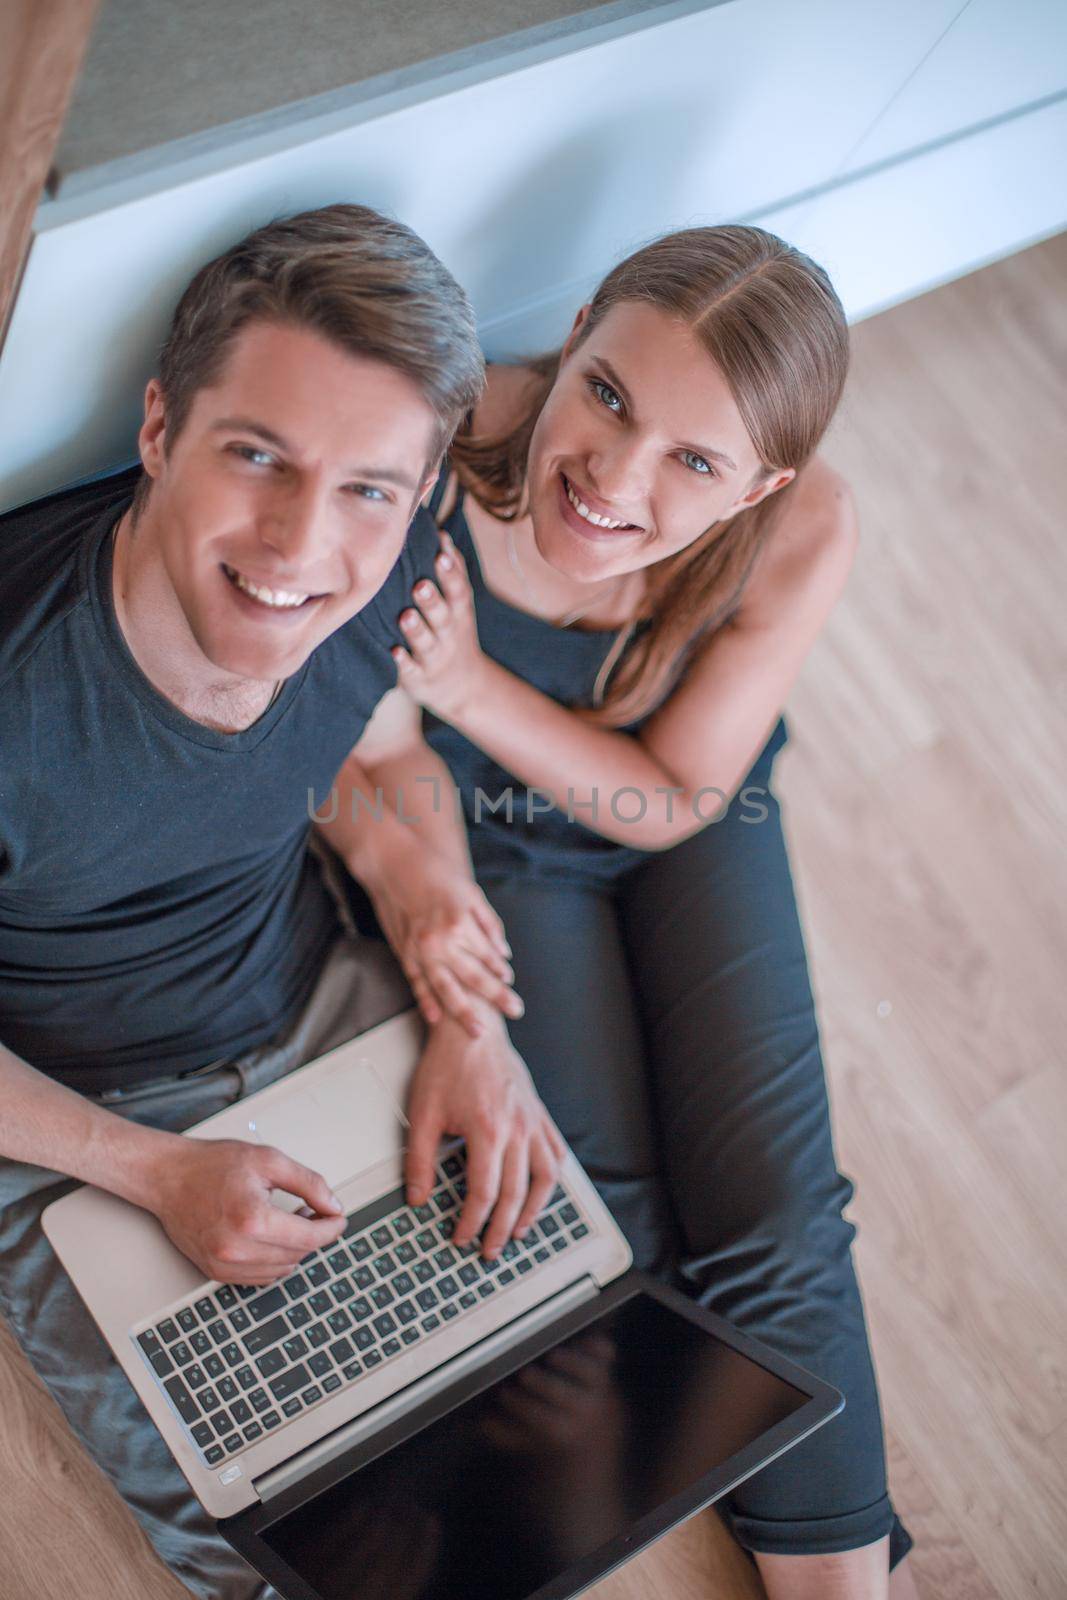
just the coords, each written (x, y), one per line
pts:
(267, 597)
(591, 516)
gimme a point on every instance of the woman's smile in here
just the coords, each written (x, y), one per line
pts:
(578, 508)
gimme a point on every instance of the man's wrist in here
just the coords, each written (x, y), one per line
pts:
(128, 1159)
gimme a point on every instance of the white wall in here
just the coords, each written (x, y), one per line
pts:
(531, 183)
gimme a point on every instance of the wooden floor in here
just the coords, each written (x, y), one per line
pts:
(925, 788)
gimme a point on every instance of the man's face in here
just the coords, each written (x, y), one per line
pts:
(284, 502)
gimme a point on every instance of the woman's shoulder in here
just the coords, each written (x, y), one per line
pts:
(810, 550)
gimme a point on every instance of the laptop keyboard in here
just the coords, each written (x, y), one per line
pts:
(237, 1362)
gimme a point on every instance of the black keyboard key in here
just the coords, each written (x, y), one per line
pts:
(363, 1278)
(402, 1225)
(405, 1313)
(181, 1353)
(447, 1228)
(200, 1343)
(259, 1400)
(270, 1419)
(239, 1320)
(403, 1283)
(579, 1231)
(246, 1290)
(340, 1260)
(342, 1290)
(219, 1331)
(232, 1443)
(391, 1347)
(381, 1237)
(220, 1421)
(149, 1342)
(266, 1334)
(423, 1213)
(524, 1266)
(317, 1335)
(317, 1273)
(449, 1311)
(295, 1286)
(507, 1276)
(241, 1411)
(384, 1324)
(295, 1347)
(445, 1259)
(447, 1286)
(360, 1309)
(293, 1406)
(266, 1305)
(214, 1455)
(226, 1297)
(271, 1363)
(487, 1288)
(309, 1396)
(289, 1382)
(423, 1271)
(469, 1299)
(372, 1359)
(430, 1323)
(339, 1321)
(451, 1166)
(543, 1254)
(556, 1196)
(410, 1334)
(385, 1266)
(352, 1370)
(331, 1383)
(405, 1252)
(319, 1363)
(184, 1403)
(548, 1226)
(253, 1432)
(205, 1308)
(228, 1389)
(468, 1273)
(445, 1201)
(382, 1296)
(299, 1316)
(208, 1399)
(162, 1365)
(568, 1213)
(246, 1377)
(363, 1338)
(186, 1319)
(231, 1354)
(195, 1376)
(361, 1249)
(203, 1434)
(560, 1242)
(320, 1303)
(426, 1239)
(427, 1299)
(342, 1351)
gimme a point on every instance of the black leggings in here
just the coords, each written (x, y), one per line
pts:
(671, 1032)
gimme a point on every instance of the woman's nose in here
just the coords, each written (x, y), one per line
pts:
(619, 475)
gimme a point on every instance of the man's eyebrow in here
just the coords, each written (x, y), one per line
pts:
(276, 442)
(697, 449)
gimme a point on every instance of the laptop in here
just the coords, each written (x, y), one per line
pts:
(400, 1417)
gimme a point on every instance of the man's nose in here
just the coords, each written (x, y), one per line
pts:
(297, 526)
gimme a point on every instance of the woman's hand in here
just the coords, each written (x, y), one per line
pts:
(441, 664)
(446, 936)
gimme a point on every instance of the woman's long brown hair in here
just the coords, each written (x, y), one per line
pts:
(769, 318)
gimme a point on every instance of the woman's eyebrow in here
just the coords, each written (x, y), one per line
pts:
(697, 449)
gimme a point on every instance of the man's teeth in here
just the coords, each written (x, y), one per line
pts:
(591, 516)
(267, 597)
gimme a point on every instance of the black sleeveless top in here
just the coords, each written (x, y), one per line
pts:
(562, 663)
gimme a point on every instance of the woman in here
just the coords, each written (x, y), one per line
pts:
(637, 553)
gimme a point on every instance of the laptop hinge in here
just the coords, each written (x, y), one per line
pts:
(362, 1427)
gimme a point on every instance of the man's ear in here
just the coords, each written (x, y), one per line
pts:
(152, 437)
(583, 312)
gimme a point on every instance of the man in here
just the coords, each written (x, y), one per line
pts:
(189, 652)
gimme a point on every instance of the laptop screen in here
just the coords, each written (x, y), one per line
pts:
(527, 1479)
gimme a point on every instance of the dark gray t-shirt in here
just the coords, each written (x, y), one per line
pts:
(158, 905)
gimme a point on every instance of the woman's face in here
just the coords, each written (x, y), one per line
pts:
(639, 429)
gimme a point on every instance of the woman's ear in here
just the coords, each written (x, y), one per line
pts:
(583, 312)
(765, 486)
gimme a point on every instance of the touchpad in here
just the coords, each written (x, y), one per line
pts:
(339, 1126)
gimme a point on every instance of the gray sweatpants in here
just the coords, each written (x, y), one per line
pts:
(360, 985)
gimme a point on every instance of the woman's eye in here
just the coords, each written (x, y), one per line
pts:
(606, 394)
(697, 464)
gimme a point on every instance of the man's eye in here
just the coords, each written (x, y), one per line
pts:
(369, 491)
(248, 452)
(606, 394)
(698, 464)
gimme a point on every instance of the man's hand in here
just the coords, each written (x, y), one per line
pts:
(213, 1200)
(480, 1090)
